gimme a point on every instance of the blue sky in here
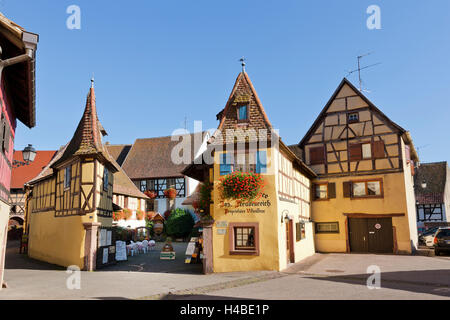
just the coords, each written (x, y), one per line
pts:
(157, 62)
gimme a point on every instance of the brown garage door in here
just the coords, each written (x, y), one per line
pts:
(373, 235)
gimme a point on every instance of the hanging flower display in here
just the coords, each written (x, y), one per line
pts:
(151, 194)
(243, 186)
(127, 214)
(118, 215)
(140, 215)
(170, 193)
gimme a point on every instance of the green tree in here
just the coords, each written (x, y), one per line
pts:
(179, 223)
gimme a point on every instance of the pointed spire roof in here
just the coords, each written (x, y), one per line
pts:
(87, 139)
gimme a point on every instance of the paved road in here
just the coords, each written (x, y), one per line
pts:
(323, 276)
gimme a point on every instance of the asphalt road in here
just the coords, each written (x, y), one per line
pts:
(323, 276)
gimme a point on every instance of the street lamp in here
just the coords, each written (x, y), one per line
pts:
(424, 184)
(28, 154)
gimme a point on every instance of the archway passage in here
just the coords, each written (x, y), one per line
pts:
(15, 228)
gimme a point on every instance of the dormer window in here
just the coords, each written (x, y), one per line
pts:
(242, 113)
(353, 117)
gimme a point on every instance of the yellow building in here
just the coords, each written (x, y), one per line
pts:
(363, 198)
(273, 230)
(72, 197)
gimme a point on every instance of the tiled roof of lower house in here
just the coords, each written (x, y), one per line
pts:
(152, 157)
(435, 176)
(22, 174)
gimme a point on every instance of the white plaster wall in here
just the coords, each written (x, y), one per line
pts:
(410, 200)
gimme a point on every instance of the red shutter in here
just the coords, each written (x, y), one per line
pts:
(412, 168)
(317, 155)
(378, 149)
(355, 151)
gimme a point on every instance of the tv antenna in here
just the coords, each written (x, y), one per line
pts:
(362, 68)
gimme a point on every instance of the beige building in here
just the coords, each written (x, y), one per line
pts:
(72, 197)
(363, 197)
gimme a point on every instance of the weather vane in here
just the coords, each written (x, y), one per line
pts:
(242, 60)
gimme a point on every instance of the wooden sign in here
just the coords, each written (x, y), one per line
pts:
(167, 255)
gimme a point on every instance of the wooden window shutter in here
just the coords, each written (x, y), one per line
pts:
(355, 151)
(2, 130)
(412, 168)
(313, 192)
(378, 149)
(317, 155)
(332, 190)
(347, 187)
(7, 137)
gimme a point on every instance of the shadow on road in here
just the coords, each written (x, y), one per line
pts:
(436, 282)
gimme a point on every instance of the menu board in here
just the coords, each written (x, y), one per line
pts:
(108, 238)
(121, 251)
(105, 255)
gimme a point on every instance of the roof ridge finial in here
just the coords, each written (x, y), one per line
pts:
(242, 60)
(92, 80)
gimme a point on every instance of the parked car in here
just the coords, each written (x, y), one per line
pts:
(427, 237)
(442, 241)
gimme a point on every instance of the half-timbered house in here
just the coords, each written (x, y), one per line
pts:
(72, 197)
(149, 164)
(21, 174)
(126, 195)
(17, 102)
(362, 198)
(266, 233)
(432, 190)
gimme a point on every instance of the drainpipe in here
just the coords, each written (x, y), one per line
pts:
(30, 41)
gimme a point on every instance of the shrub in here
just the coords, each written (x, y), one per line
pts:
(180, 223)
(205, 195)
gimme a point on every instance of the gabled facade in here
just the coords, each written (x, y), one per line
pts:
(149, 164)
(72, 197)
(125, 193)
(273, 230)
(17, 102)
(432, 190)
(363, 198)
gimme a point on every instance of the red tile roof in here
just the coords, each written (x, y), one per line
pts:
(23, 174)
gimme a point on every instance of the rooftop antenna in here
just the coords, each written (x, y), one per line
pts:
(185, 123)
(242, 60)
(362, 68)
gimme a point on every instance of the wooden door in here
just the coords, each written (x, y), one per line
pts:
(381, 238)
(358, 235)
(290, 241)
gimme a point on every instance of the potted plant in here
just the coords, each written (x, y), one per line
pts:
(118, 215)
(170, 193)
(140, 215)
(127, 214)
(151, 194)
(241, 186)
